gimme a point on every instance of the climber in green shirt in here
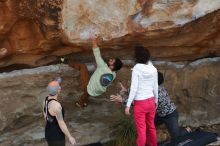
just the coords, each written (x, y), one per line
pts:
(104, 74)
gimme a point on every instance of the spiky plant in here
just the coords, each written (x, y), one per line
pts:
(125, 131)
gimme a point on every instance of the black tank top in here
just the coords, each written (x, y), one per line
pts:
(52, 129)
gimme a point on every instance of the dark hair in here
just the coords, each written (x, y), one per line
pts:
(142, 55)
(160, 78)
(118, 64)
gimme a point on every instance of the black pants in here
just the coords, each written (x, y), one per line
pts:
(56, 143)
(171, 122)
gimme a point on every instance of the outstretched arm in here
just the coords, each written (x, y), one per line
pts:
(94, 41)
(96, 51)
(123, 97)
(119, 99)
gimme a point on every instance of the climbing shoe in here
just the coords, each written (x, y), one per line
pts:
(64, 60)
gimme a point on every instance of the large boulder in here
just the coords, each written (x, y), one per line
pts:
(22, 93)
(193, 86)
(22, 96)
(34, 32)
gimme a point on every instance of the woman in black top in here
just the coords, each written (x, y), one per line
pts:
(56, 128)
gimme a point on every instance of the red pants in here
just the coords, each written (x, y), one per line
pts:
(144, 112)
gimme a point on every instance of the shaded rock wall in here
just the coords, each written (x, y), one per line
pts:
(193, 86)
(23, 91)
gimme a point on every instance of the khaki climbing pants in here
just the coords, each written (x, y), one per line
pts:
(84, 80)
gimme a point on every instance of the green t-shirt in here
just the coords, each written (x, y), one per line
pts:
(102, 76)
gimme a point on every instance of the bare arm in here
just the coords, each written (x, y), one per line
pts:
(122, 97)
(62, 124)
(94, 42)
(43, 111)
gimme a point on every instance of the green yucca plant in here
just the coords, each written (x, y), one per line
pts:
(125, 131)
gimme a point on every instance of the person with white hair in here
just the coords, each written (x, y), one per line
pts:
(55, 129)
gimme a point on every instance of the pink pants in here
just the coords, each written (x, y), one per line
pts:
(144, 112)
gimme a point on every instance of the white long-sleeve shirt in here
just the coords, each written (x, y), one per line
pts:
(144, 83)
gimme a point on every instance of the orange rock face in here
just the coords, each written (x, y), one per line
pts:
(35, 33)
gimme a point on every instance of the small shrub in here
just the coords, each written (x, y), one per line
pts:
(125, 131)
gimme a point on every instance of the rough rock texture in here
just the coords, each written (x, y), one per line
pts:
(23, 91)
(193, 86)
(22, 95)
(35, 32)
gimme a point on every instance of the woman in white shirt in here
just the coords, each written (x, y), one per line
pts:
(144, 93)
